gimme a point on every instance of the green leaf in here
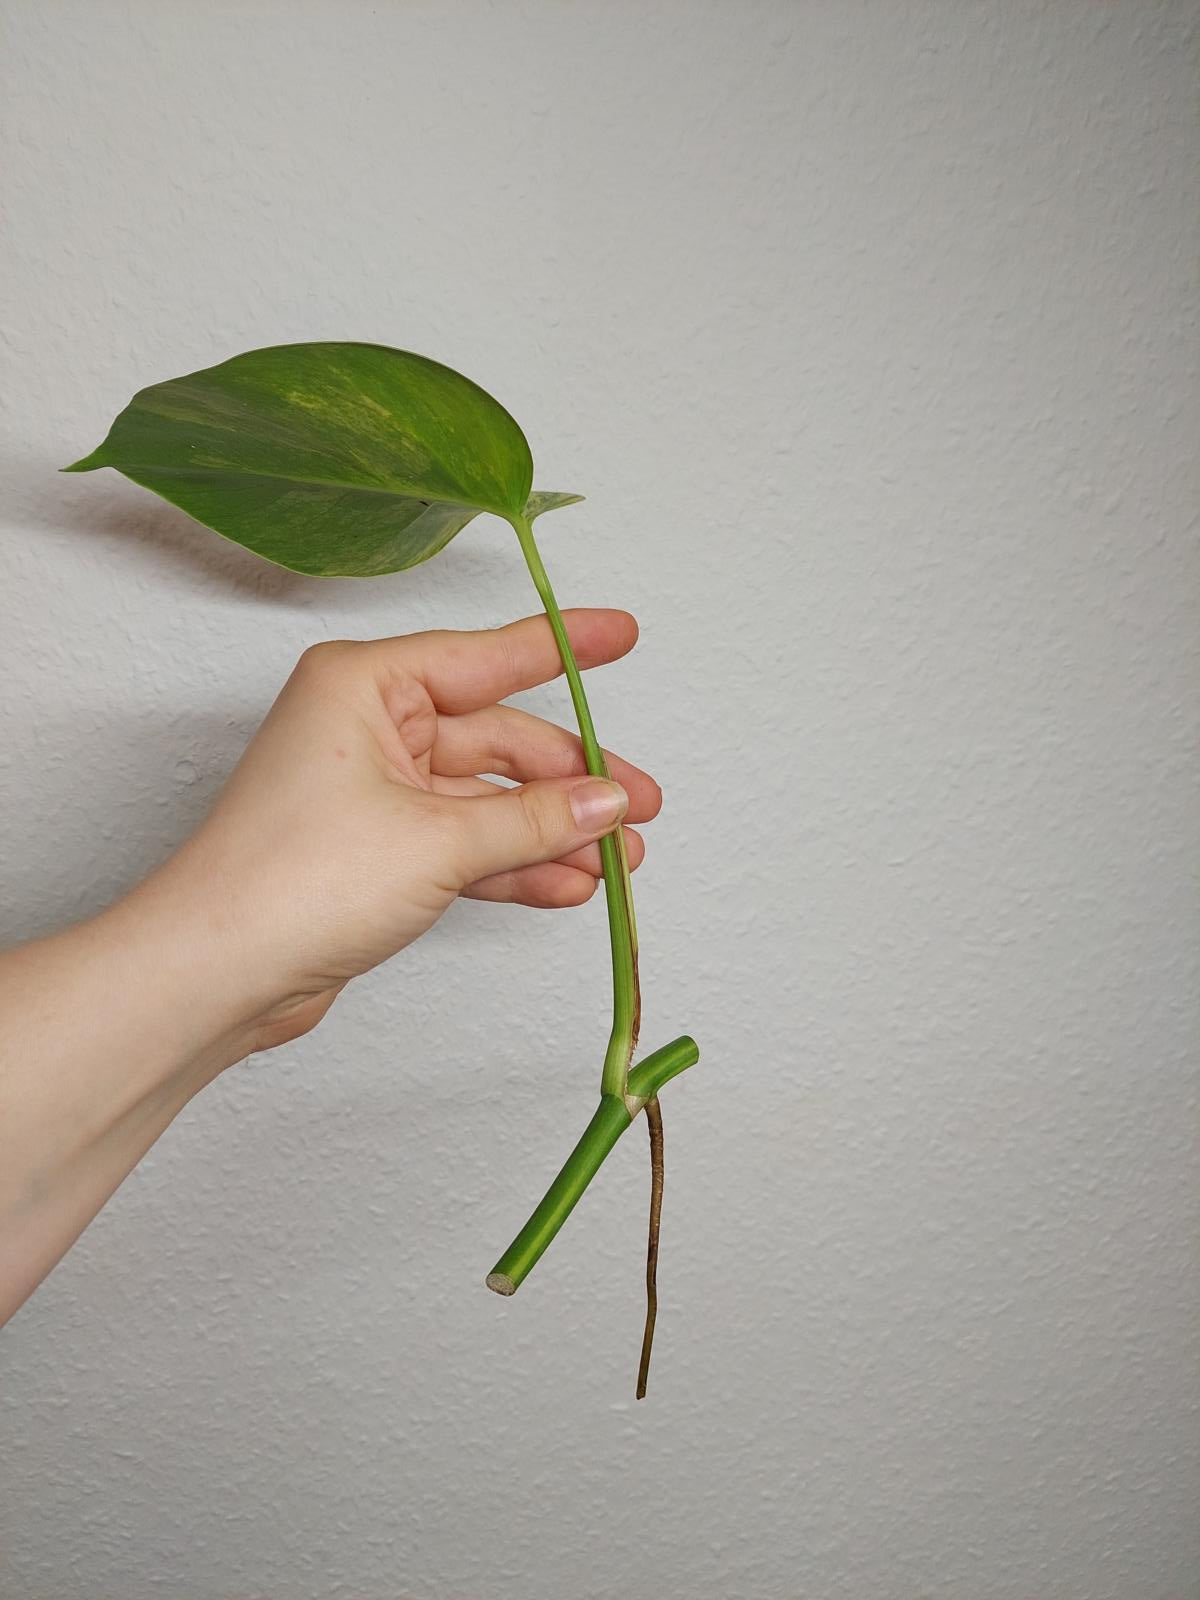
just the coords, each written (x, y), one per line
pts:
(339, 460)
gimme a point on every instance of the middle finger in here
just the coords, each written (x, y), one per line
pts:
(516, 744)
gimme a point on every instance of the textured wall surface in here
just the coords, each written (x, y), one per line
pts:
(870, 334)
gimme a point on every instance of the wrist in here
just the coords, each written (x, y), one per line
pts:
(175, 955)
(221, 952)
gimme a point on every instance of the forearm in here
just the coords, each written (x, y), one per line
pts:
(359, 811)
(106, 1032)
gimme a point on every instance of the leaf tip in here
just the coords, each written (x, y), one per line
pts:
(87, 463)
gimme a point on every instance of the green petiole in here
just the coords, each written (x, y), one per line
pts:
(622, 1093)
(618, 891)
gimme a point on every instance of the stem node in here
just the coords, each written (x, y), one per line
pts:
(608, 1123)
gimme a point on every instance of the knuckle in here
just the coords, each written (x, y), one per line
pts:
(570, 754)
(445, 828)
(324, 656)
(508, 657)
(443, 840)
(561, 751)
(540, 822)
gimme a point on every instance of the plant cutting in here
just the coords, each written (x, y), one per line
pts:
(356, 460)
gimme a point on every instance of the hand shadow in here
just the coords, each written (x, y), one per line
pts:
(148, 782)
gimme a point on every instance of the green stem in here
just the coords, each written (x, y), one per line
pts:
(618, 891)
(612, 1116)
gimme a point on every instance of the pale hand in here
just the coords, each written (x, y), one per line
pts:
(361, 808)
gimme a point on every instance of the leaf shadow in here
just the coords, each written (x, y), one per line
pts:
(167, 548)
(102, 506)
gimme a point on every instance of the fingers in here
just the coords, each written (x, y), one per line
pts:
(549, 887)
(538, 886)
(515, 744)
(536, 823)
(554, 884)
(464, 671)
(588, 859)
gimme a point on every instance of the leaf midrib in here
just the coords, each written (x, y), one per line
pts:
(417, 493)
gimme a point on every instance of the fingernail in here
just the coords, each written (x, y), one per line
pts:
(598, 803)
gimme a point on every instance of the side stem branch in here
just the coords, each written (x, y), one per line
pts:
(609, 1121)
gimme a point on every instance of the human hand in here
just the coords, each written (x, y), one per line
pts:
(360, 810)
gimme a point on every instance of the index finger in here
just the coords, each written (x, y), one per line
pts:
(467, 671)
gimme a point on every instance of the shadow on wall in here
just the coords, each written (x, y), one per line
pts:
(141, 528)
(163, 545)
(119, 794)
(121, 789)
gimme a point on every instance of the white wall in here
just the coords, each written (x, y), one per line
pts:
(870, 334)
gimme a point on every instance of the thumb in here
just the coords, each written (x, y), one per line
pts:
(537, 822)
